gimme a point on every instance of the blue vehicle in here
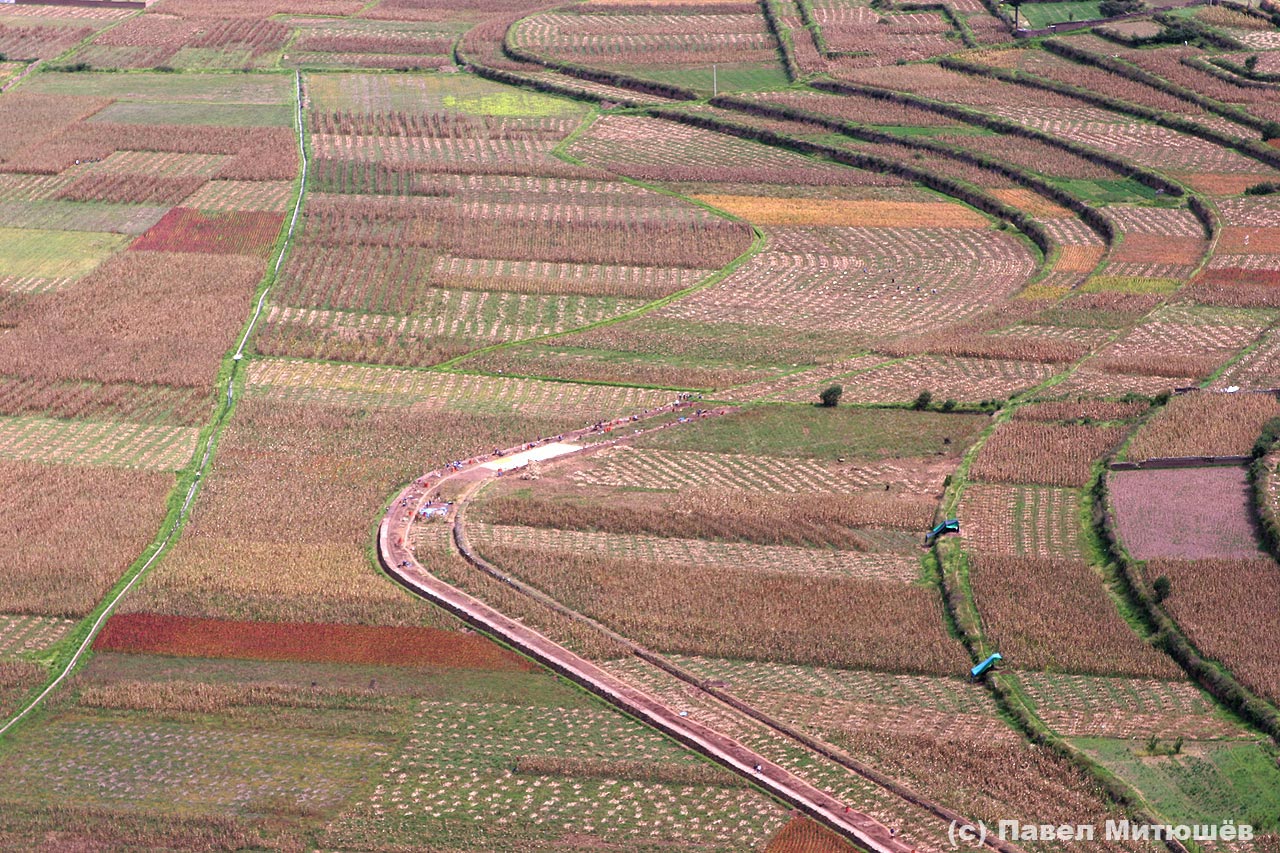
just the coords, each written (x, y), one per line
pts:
(984, 667)
(951, 525)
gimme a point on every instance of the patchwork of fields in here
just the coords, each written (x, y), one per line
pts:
(264, 263)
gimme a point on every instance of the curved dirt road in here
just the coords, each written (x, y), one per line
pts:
(396, 553)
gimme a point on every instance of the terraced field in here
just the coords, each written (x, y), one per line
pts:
(768, 290)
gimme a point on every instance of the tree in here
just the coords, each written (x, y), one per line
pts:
(923, 400)
(1161, 587)
(1111, 8)
(831, 396)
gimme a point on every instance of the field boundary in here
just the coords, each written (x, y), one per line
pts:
(1180, 462)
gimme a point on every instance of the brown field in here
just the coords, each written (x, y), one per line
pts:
(749, 614)
(141, 317)
(340, 463)
(800, 834)
(1158, 249)
(72, 532)
(1224, 183)
(1033, 203)
(149, 633)
(26, 117)
(984, 780)
(766, 210)
(1079, 258)
(1080, 410)
(806, 518)
(1187, 513)
(1204, 424)
(1054, 614)
(1050, 455)
(1250, 240)
(1220, 604)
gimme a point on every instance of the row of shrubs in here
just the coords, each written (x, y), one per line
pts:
(1089, 215)
(1246, 74)
(1231, 112)
(1168, 636)
(957, 189)
(1175, 30)
(782, 35)
(600, 75)
(1261, 476)
(1249, 148)
(1004, 126)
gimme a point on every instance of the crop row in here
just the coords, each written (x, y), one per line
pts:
(748, 614)
(666, 469)
(136, 404)
(1169, 349)
(96, 443)
(299, 381)
(458, 315)
(1023, 521)
(21, 634)
(805, 561)
(1045, 454)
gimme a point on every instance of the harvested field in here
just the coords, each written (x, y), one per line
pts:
(767, 210)
(1055, 614)
(655, 150)
(184, 229)
(1044, 454)
(1249, 240)
(1184, 513)
(901, 567)
(96, 443)
(1204, 424)
(827, 434)
(624, 467)
(111, 515)
(634, 282)
(678, 608)
(25, 117)
(533, 775)
(272, 196)
(1176, 349)
(807, 519)
(362, 386)
(1220, 604)
(1021, 521)
(20, 635)
(145, 633)
(868, 282)
(105, 329)
(1091, 706)
(962, 379)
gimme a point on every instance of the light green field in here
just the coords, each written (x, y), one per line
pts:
(727, 78)
(169, 88)
(1208, 782)
(54, 254)
(232, 114)
(424, 93)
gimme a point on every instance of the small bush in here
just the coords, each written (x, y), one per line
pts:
(831, 396)
(923, 400)
(1161, 587)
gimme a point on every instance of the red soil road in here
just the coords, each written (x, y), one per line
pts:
(151, 633)
(398, 559)
(1187, 513)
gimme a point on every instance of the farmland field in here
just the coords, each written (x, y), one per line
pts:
(787, 284)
